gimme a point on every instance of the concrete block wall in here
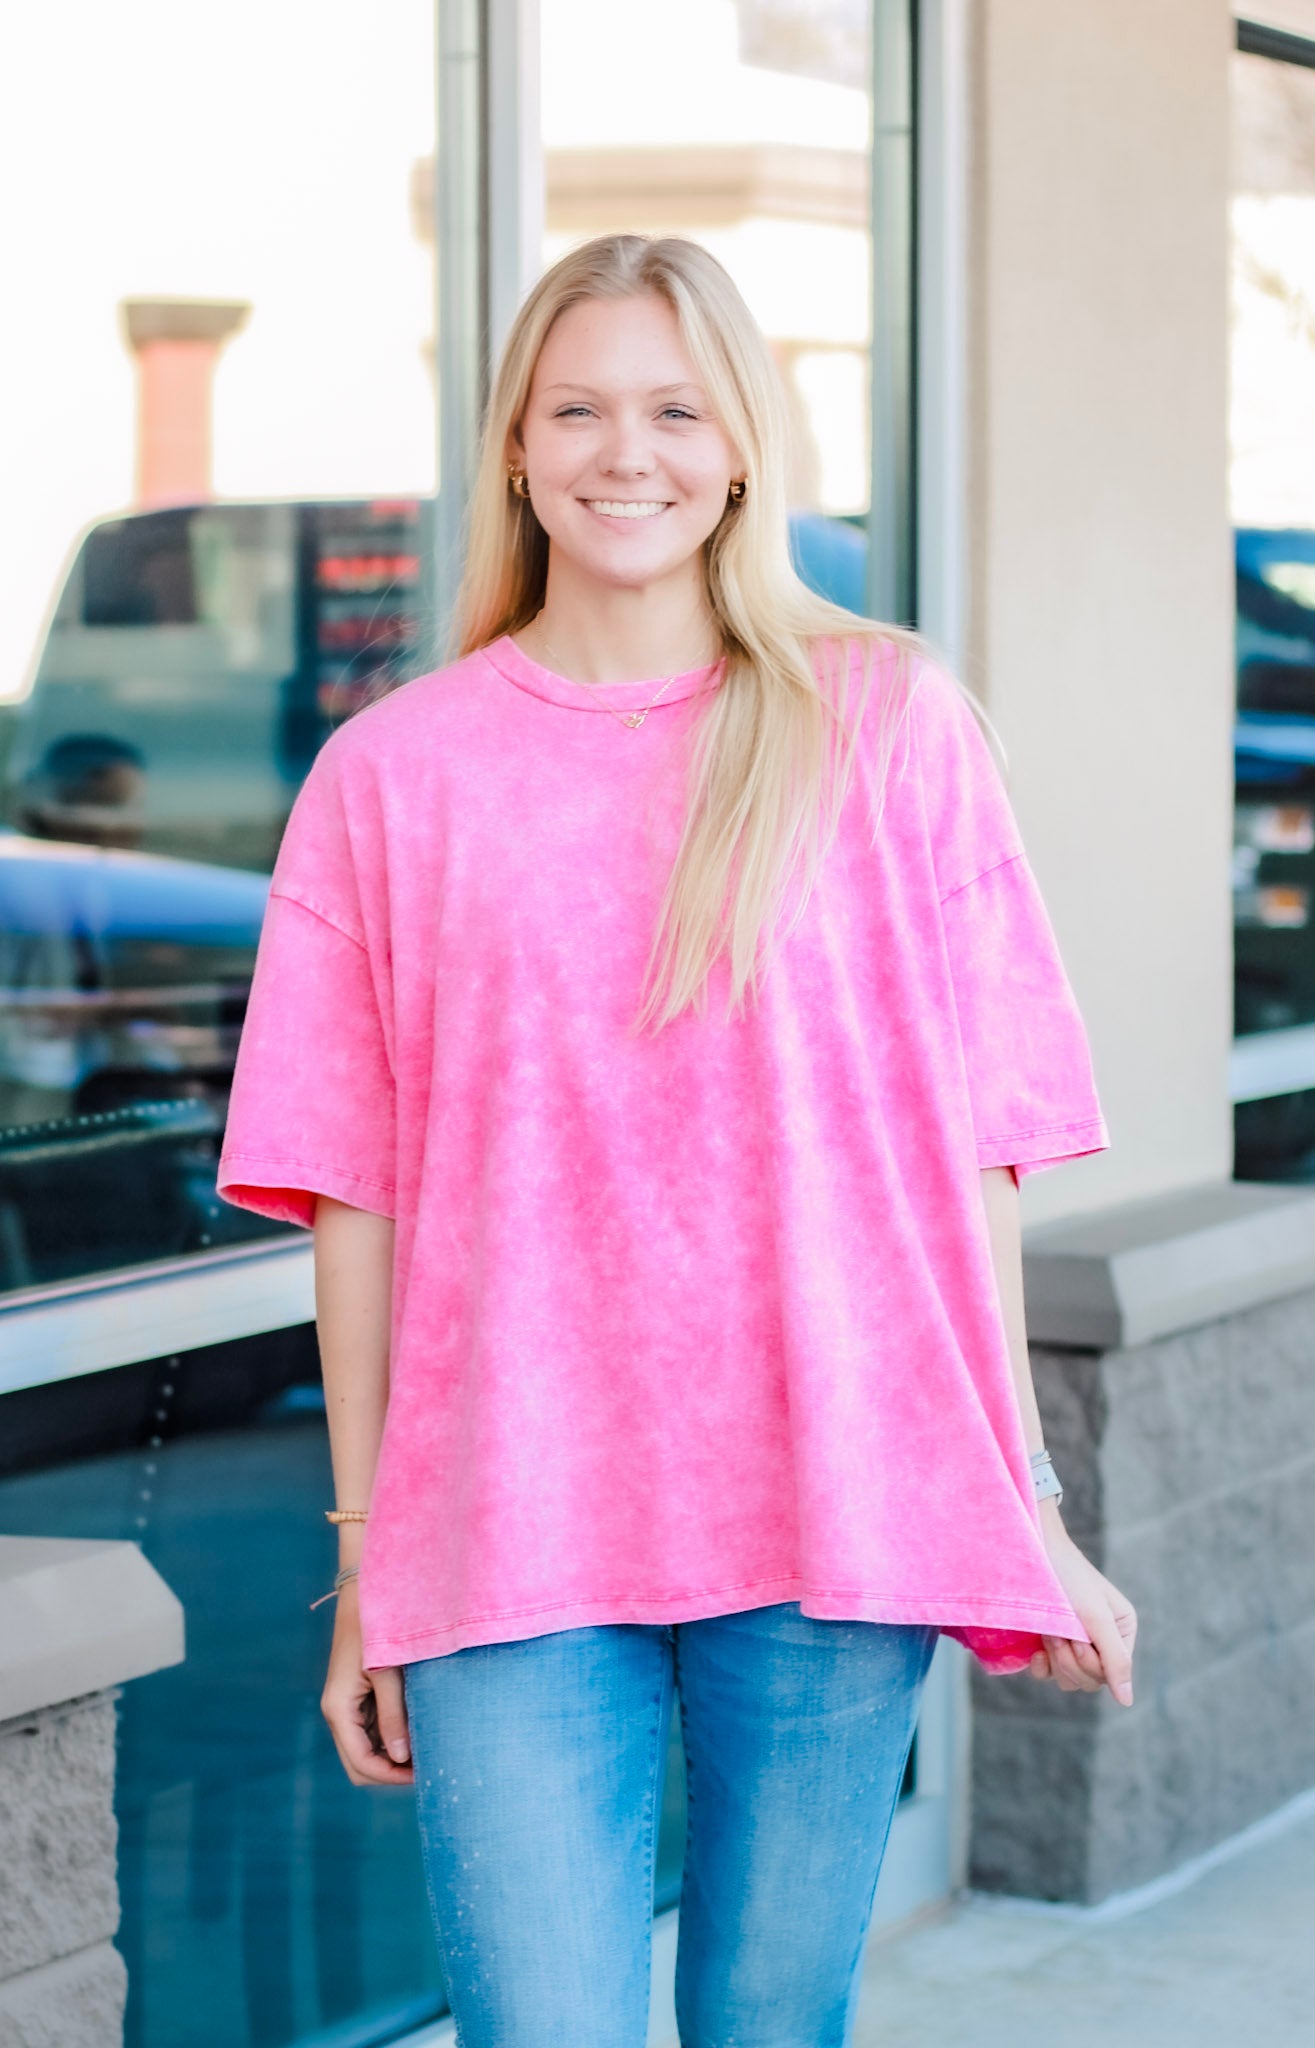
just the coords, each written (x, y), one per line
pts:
(1189, 1472)
(78, 1617)
(63, 1984)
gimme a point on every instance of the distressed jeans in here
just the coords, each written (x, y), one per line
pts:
(538, 1783)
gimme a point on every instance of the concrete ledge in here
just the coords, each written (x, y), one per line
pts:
(78, 1615)
(1148, 1269)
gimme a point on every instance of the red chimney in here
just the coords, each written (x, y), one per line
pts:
(176, 343)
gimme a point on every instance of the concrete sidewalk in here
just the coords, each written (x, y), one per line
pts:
(1221, 1952)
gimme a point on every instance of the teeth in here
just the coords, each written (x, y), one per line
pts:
(618, 509)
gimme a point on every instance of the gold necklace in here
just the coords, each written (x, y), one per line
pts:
(631, 718)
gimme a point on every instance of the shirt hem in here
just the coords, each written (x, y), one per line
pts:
(952, 1613)
(286, 1189)
(1045, 1146)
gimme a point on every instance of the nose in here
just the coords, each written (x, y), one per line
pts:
(627, 449)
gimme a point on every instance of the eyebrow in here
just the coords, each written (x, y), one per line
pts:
(657, 391)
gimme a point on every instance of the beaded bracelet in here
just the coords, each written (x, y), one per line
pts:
(346, 1514)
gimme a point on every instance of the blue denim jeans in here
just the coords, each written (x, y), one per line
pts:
(538, 1768)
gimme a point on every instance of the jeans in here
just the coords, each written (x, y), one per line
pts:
(537, 1780)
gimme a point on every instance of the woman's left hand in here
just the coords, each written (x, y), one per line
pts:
(1108, 1617)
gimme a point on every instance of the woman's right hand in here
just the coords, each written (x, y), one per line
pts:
(347, 1689)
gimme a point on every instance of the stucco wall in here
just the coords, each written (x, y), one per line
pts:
(1100, 577)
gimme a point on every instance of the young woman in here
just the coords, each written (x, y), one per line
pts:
(654, 1013)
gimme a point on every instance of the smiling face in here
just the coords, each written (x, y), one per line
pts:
(628, 469)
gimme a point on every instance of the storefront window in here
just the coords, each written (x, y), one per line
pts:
(748, 124)
(220, 468)
(195, 662)
(1273, 507)
(194, 601)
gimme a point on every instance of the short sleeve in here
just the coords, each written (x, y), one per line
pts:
(312, 1106)
(1025, 1049)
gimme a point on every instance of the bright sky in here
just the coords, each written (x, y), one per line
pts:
(259, 150)
(263, 150)
(619, 71)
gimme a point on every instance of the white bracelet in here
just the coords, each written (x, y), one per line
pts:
(1045, 1479)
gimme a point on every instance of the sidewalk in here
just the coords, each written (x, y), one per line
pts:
(1217, 1954)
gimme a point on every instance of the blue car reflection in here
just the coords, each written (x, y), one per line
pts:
(123, 981)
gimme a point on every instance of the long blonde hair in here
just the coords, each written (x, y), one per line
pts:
(773, 756)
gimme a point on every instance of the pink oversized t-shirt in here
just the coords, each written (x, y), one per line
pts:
(685, 1322)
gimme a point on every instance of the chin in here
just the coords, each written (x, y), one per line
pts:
(605, 565)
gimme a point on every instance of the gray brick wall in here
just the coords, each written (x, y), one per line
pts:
(62, 1982)
(1189, 1475)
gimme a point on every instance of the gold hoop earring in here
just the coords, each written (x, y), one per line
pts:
(738, 489)
(518, 480)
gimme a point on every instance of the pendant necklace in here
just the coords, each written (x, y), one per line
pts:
(633, 719)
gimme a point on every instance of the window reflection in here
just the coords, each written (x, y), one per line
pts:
(1274, 836)
(196, 660)
(1273, 498)
(267, 1902)
(198, 656)
(761, 150)
(122, 983)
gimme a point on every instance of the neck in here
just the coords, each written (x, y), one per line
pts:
(602, 633)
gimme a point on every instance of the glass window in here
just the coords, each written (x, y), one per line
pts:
(197, 653)
(209, 560)
(266, 1901)
(1273, 507)
(195, 662)
(749, 125)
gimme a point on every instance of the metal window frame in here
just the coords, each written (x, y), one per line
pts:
(1283, 45)
(940, 391)
(137, 1312)
(891, 590)
(488, 215)
(1262, 1064)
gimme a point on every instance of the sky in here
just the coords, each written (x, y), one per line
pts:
(265, 151)
(261, 150)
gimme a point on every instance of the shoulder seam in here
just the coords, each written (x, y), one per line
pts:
(1006, 860)
(313, 911)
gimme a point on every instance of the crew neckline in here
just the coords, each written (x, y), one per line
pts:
(512, 663)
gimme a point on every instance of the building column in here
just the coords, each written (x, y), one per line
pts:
(176, 343)
(1100, 600)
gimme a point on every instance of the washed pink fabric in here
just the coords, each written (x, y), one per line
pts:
(683, 1323)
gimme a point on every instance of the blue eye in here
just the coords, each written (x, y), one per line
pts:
(679, 409)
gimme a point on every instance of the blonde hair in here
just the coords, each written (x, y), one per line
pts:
(773, 755)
